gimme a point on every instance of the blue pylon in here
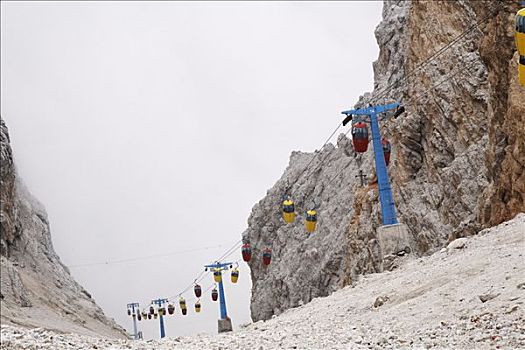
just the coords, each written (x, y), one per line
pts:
(222, 297)
(370, 115)
(133, 307)
(160, 302)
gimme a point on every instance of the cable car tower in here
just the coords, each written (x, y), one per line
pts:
(225, 323)
(133, 310)
(160, 303)
(393, 237)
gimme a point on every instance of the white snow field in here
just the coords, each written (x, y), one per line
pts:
(469, 295)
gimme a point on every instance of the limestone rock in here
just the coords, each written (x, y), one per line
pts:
(457, 243)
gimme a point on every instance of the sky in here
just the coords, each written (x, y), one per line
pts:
(150, 129)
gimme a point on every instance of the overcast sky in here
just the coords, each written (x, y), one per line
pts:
(153, 128)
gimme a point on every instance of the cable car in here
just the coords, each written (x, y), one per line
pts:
(360, 137)
(246, 252)
(139, 317)
(214, 294)
(182, 302)
(198, 290)
(129, 312)
(288, 211)
(198, 306)
(387, 149)
(311, 220)
(151, 310)
(171, 309)
(184, 310)
(217, 275)
(144, 315)
(267, 256)
(149, 316)
(235, 275)
(155, 315)
(520, 44)
(162, 311)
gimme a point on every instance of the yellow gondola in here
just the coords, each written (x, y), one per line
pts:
(155, 315)
(182, 302)
(198, 306)
(288, 211)
(520, 44)
(162, 311)
(235, 275)
(311, 220)
(217, 275)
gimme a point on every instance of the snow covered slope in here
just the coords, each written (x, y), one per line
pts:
(471, 295)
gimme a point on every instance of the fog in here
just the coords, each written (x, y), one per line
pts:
(149, 130)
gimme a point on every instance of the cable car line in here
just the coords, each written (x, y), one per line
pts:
(147, 257)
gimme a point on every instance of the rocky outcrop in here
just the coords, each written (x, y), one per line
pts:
(457, 163)
(37, 290)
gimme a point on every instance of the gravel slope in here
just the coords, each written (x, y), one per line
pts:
(431, 302)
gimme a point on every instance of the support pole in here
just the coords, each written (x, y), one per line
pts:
(134, 306)
(224, 323)
(160, 302)
(222, 300)
(388, 209)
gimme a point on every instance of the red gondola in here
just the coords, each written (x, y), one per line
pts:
(198, 290)
(246, 252)
(214, 294)
(267, 256)
(387, 149)
(360, 137)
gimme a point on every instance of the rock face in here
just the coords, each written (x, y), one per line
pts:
(37, 290)
(457, 163)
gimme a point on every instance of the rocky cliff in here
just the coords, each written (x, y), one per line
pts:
(457, 163)
(37, 290)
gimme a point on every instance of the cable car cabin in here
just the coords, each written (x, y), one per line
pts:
(162, 311)
(149, 316)
(139, 317)
(184, 311)
(267, 256)
(387, 149)
(360, 137)
(288, 211)
(217, 275)
(235, 275)
(144, 315)
(214, 294)
(171, 309)
(197, 307)
(198, 290)
(311, 220)
(155, 315)
(182, 303)
(520, 44)
(246, 251)
(151, 310)
(129, 312)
